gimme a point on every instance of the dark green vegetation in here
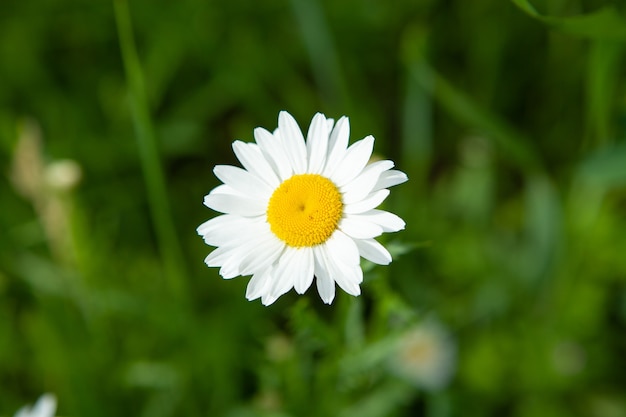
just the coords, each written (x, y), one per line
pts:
(510, 122)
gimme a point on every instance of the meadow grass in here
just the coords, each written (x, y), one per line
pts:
(507, 294)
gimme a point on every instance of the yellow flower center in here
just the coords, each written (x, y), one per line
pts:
(305, 210)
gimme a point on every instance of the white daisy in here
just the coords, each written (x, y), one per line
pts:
(45, 406)
(299, 210)
(425, 356)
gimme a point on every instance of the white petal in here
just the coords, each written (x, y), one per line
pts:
(373, 251)
(337, 145)
(236, 243)
(268, 298)
(329, 124)
(231, 232)
(45, 406)
(342, 247)
(348, 277)
(235, 204)
(230, 269)
(266, 252)
(389, 179)
(388, 221)
(258, 285)
(304, 271)
(252, 159)
(293, 141)
(259, 245)
(251, 255)
(349, 280)
(370, 202)
(359, 228)
(354, 161)
(224, 189)
(227, 259)
(325, 284)
(285, 273)
(363, 184)
(274, 153)
(222, 221)
(317, 143)
(217, 256)
(242, 181)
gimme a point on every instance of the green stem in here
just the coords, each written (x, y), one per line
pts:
(150, 162)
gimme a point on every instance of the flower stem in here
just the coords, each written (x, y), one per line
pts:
(168, 243)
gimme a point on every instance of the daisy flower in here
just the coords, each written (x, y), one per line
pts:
(45, 406)
(425, 356)
(299, 210)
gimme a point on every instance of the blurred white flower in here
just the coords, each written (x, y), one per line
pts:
(63, 175)
(425, 356)
(45, 406)
(300, 209)
(46, 186)
(28, 165)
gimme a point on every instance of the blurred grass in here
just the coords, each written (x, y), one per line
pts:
(150, 161)
(509, 117)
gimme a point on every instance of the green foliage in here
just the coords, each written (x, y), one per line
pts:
(604, 23)
(509, 118)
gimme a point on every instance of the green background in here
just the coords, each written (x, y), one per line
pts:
(509, 118)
